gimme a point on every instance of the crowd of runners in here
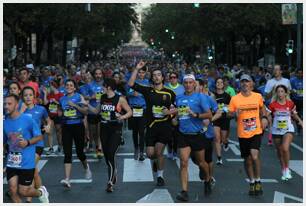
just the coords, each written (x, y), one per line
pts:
(184, 107)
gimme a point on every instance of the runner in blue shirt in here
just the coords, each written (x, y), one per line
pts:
(297, 94)
(72, 113)
(192, 109)
(138, 121)
(95, 92)
(40, 115)
(21, 133)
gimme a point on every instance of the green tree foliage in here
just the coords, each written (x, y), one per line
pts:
(194, 27)
(102, 28)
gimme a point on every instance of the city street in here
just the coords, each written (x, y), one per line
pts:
(136, 182)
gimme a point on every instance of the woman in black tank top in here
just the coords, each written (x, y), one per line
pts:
(110, 110)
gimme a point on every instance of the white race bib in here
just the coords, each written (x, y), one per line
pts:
(14, 160)
(137, 112)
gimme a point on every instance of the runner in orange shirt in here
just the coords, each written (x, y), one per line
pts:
(251, 122)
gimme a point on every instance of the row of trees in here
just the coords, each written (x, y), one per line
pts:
(103, 27)
(188, 28)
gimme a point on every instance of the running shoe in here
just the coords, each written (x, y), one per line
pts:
(252, 189)
(50, 151)
(160, 181)
(182, 196)
(258, 188)
(66, 183)
(109, 187)
(288, 174)
(207, 188)
(225, 147)
(141, 157)
(99, 154)
(219, 162)
(88, 174)
(212, 181)
(44, 198)
(174, 156)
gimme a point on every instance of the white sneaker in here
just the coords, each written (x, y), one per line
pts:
(288, 174)
(44, 198)
(88, 174)
(66, 183)
(225, 147)
(219, 162)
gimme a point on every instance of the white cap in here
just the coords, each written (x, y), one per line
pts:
(189, 76)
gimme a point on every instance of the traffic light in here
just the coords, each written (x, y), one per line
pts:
(289, 47)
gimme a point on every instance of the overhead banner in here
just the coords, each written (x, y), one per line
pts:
(289, 13)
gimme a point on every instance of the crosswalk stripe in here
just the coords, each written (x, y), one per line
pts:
(234, 160)
(80, 181)
(264, 180)
(297, 147)
(296, 166)
(136, 171)
(40, 165)
(157, 196)
(88, 160)
(234, 148)
(193, 171)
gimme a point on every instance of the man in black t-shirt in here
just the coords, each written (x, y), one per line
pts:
(159, 101)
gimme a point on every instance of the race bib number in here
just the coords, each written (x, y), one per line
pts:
(137, 112)
(53, 108)
(14, 160)
(282, 124)
(183, 112)
(106, 115)
(157, 111)
(70, 113)
(249, 124)
(220, 106)
(98, 96)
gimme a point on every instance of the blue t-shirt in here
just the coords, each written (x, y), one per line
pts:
(84, 90)
(137, 101)
(198, 104)
(178, 90)
(38, 113)
(297, 85)
(70, 114)
(14, 130)
(96, 89)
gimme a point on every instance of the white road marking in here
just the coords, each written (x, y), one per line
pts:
(233, 142)
(137, 171)
(88, 160)
(279, 197)
(193, 171)
(80, 181)
(234, 148)
(157, 196)
(264, 180)
(297, 147)
(234, 160)
(296, 166)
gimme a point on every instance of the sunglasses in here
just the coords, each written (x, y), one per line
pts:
(173, 77)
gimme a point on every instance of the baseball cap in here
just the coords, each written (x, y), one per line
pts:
(245, 77)
(189, 76)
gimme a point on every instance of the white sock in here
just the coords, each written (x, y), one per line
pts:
(160, 173)
(252, 181)
(257, 179)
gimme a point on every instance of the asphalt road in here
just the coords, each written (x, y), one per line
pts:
(137, 183)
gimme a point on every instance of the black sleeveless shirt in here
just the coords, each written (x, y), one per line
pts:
(109, 108)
